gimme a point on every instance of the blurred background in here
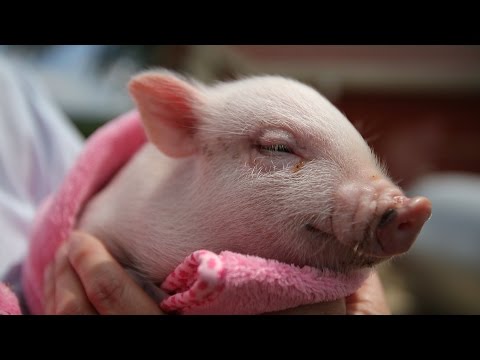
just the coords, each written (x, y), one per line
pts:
(417, 106)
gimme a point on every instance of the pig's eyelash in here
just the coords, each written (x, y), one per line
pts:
(275, 148)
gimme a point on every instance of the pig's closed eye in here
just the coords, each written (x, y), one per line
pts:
(275, 148)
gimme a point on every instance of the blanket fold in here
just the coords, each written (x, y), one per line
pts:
(232, 283)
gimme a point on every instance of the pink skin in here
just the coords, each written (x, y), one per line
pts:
(397, 234)
(383, 221)
(263, 166)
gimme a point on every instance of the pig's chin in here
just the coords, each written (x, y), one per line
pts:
(354, 258)
(336, 256)
(347, 260)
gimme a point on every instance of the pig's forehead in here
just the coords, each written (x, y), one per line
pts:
(267, 89)
(274, 100)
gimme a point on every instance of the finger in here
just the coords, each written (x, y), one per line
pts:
(49, 289)
(369, 299)
(326, 308)
(70, 297)
(109, 288)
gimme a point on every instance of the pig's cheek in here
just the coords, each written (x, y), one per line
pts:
(274, 162)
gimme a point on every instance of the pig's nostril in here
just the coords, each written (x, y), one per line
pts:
(404, 226)
(399, 227)
(387, 217)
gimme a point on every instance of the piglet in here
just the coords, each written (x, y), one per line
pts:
(262, 166)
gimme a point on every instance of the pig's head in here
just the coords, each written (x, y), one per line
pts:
(271, 168)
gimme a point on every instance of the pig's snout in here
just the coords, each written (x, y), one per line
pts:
(376, 220)
(399, 227)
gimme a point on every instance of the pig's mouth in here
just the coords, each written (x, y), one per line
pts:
(379, 238)
(345, 257)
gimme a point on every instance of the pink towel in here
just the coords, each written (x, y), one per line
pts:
(8, 301)
(205, 283)
(230, 283)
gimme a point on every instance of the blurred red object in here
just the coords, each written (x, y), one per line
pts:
(417, 134)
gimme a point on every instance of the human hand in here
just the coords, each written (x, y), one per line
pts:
(369, 299)
(85, 279)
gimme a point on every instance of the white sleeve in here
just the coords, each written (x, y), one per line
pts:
(38, 144)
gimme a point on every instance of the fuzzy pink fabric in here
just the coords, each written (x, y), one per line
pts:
(104, 154)
(231, 283)
(205, 283)
(8, 301)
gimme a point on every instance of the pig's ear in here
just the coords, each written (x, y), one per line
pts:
(166, 104)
